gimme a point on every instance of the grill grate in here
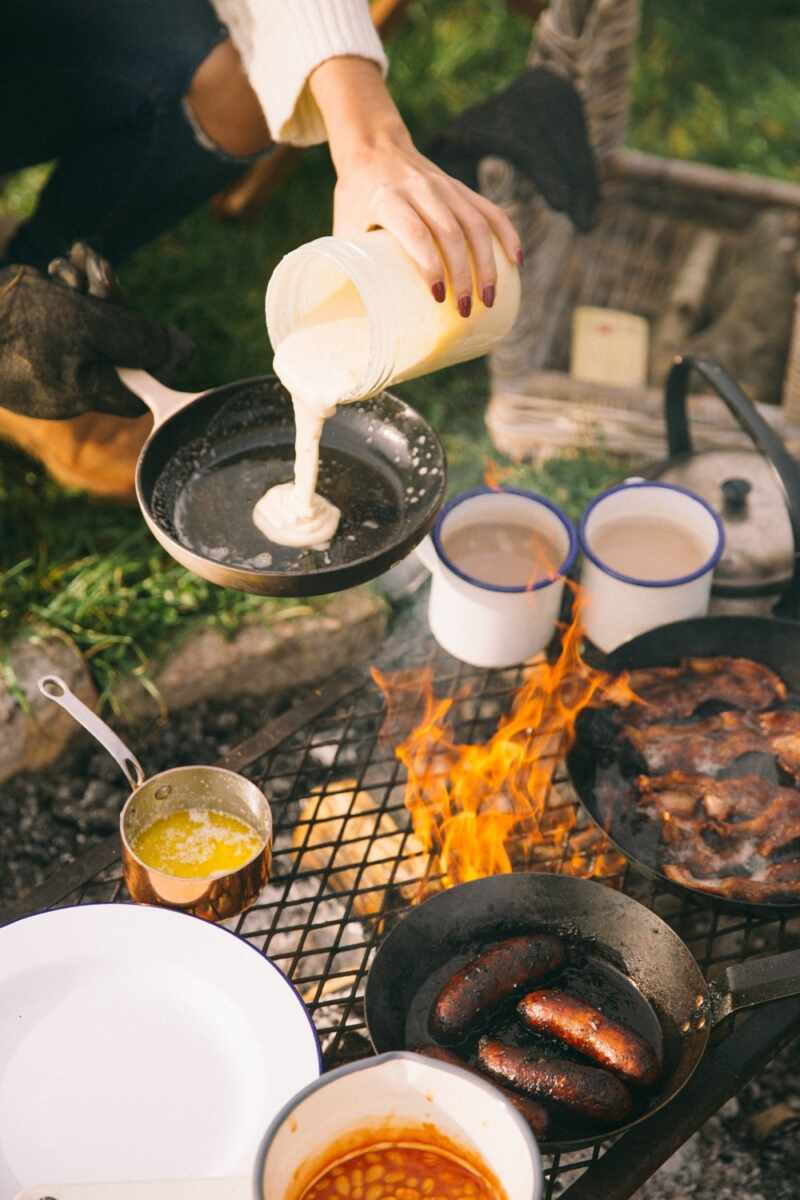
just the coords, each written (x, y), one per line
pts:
(309, 920)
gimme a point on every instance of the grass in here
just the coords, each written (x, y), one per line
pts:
(711, 83)
(93, 572)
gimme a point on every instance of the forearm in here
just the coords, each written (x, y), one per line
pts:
(383, 182)
(357, 109)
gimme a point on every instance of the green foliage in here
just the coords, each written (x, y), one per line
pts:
(450, 55)
(94, 572)
(715, 80)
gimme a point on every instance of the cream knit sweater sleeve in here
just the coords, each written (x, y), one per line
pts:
(280, 43)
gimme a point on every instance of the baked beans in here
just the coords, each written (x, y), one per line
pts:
(400, 1172)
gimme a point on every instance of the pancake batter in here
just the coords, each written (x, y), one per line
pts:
(320, 365)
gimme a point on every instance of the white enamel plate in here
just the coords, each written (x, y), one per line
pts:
(139, 1043)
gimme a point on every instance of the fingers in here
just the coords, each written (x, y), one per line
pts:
(99, 278)
(499, 222)
(396, 214)
(446, 229)
(460, 236)
(97, 270)
(449, 237)
(84, 270)
(63, 271)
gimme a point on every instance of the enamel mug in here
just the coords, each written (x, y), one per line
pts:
(486, 624)
(360, 1104)
(617, 606)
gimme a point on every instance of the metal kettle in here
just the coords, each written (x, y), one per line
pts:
(755, 492)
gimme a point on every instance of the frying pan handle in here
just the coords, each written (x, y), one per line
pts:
(747, 984)
(426, 553)
(762, 434)
(162, 401)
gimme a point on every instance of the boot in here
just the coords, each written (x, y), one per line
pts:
(95, 452)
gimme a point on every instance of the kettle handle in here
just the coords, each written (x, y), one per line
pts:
(764, 438)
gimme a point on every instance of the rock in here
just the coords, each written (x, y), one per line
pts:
(767, 1122)
(35, 735)
(261, 659)
(103, 766)
(96, 793)
(226, 720)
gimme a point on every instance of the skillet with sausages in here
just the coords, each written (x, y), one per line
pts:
(524, 1012)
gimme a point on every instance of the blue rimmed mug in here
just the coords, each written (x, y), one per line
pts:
(620, 604)
(487, 624)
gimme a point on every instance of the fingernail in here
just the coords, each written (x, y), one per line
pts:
(465, 305)
(438, 292)
(520, 257)
(488, 295)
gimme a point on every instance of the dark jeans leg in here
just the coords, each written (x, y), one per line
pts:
(120, 192)
(107, 104)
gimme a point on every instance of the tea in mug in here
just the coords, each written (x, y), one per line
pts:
(503, 553)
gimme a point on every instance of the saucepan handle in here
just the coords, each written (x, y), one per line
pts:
(758, 981)
(55, 689)
(162, 401)
(762, 434)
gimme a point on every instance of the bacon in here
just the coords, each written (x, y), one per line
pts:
(673, 693)
(701, 748)
(752, 891)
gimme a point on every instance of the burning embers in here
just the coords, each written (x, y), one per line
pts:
(488, 808)
(720, 788)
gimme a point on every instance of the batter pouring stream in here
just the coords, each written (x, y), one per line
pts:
(320, 365)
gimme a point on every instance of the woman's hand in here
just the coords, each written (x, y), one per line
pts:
(384, 181)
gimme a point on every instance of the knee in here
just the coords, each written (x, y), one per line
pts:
(225, 106)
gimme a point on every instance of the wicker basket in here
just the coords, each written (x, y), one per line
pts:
(667, 229)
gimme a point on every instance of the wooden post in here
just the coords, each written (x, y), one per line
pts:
(679, 318)
(791, 384)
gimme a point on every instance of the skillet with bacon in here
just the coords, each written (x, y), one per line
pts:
(710, 752)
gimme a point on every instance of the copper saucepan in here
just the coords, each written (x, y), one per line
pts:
(213, 897)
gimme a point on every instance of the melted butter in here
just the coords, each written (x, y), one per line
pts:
(197, 843)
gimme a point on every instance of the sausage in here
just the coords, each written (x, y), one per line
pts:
(502, 969)
(582, 1091)
(530, 1110)
(609, 1043)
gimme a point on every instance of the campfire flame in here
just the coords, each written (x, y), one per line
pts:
(495, 474)
(487, 809)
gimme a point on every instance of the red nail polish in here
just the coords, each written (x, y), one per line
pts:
(488, 295)
(520, 257)
(465, 305)
(438, 292)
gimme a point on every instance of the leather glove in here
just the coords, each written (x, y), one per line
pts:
(61, 338)
(538, 125)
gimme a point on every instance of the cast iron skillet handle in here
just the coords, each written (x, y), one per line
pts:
(764, 438)
(746, 984)
(162, 401)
